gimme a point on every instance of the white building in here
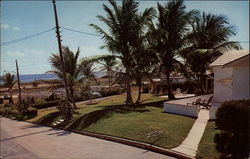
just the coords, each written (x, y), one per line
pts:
(231, 82)
(231, 76)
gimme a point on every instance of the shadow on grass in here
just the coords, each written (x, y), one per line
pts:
(95, 116)
(47, 119)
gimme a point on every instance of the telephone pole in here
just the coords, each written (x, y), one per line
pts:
(60, 50)
(18, 81)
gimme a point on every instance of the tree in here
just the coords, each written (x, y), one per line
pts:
(209, 39)
(72, 68)
(123, 23)
(108, 63)
(169, 35)
(9, 81)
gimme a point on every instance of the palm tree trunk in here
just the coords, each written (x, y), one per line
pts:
(11, 96)
(129, 100)
(139, 93)
(202, 85)
(169, 88)
(109, 76)
(72, 97)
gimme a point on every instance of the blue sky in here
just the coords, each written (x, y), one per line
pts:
(24, 18)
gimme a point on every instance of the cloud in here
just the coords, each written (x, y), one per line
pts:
(86, 51)
(36, 52)
(16, 28)
(5, 26)
(15, 53)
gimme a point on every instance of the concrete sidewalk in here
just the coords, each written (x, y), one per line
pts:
(24, 140)
(190, 145)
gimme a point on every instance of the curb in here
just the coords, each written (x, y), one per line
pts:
(133, 143)
(124, 141)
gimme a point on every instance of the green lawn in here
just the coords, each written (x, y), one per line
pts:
(206, 149)
(134, 122)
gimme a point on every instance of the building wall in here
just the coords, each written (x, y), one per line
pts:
(241, 81)
(222, 84)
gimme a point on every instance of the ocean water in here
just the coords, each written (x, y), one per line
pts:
(32, 77)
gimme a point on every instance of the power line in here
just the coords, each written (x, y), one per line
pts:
(82, 32)
(24, 38)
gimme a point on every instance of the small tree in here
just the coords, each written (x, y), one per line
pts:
(35, 83)
(9, 81)
(232, 119)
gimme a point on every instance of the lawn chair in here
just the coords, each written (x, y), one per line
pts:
(207, 104)
(197, 102)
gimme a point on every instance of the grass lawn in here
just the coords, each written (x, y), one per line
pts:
(112, 117)
(206, 149)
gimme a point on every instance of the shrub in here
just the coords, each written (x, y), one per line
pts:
(109, 92)
(52, 97)
(46, 104)
(232, 118)
(13, 112)
(145, 89)
(35, 83)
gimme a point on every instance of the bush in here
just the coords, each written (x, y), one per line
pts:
(46, 104)
(109, 92)
(232, 118)
(13, 112)
(52, 97)
(145, 90)
(35, 84)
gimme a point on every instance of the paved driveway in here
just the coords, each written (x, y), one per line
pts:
(23, 140)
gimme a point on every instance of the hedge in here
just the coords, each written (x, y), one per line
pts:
(46, 104)
(232, 119)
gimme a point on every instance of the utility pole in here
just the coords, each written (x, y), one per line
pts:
(60, 50)
(18, 81)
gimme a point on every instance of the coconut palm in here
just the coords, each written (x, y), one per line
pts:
(123, 23)
(87, 70)
(108, 63)
(169, 36)
(210, 39)
(72, 69)
(9, 81)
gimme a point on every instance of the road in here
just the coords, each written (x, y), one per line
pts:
(22, 140)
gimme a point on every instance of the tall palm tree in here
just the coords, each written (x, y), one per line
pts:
(210, 39)
(108, 63)
(9, 81)
(72, 69)
(169, 36)
(123, 22)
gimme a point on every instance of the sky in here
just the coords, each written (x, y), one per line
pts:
(24, 18)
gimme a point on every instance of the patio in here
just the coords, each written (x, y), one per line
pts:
(180, 106)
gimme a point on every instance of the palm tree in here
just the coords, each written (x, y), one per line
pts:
(72, 68)
(108, 63)
(9, 81)
(169, 36)
(123, 22)
(210, 39)
(87, 70)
